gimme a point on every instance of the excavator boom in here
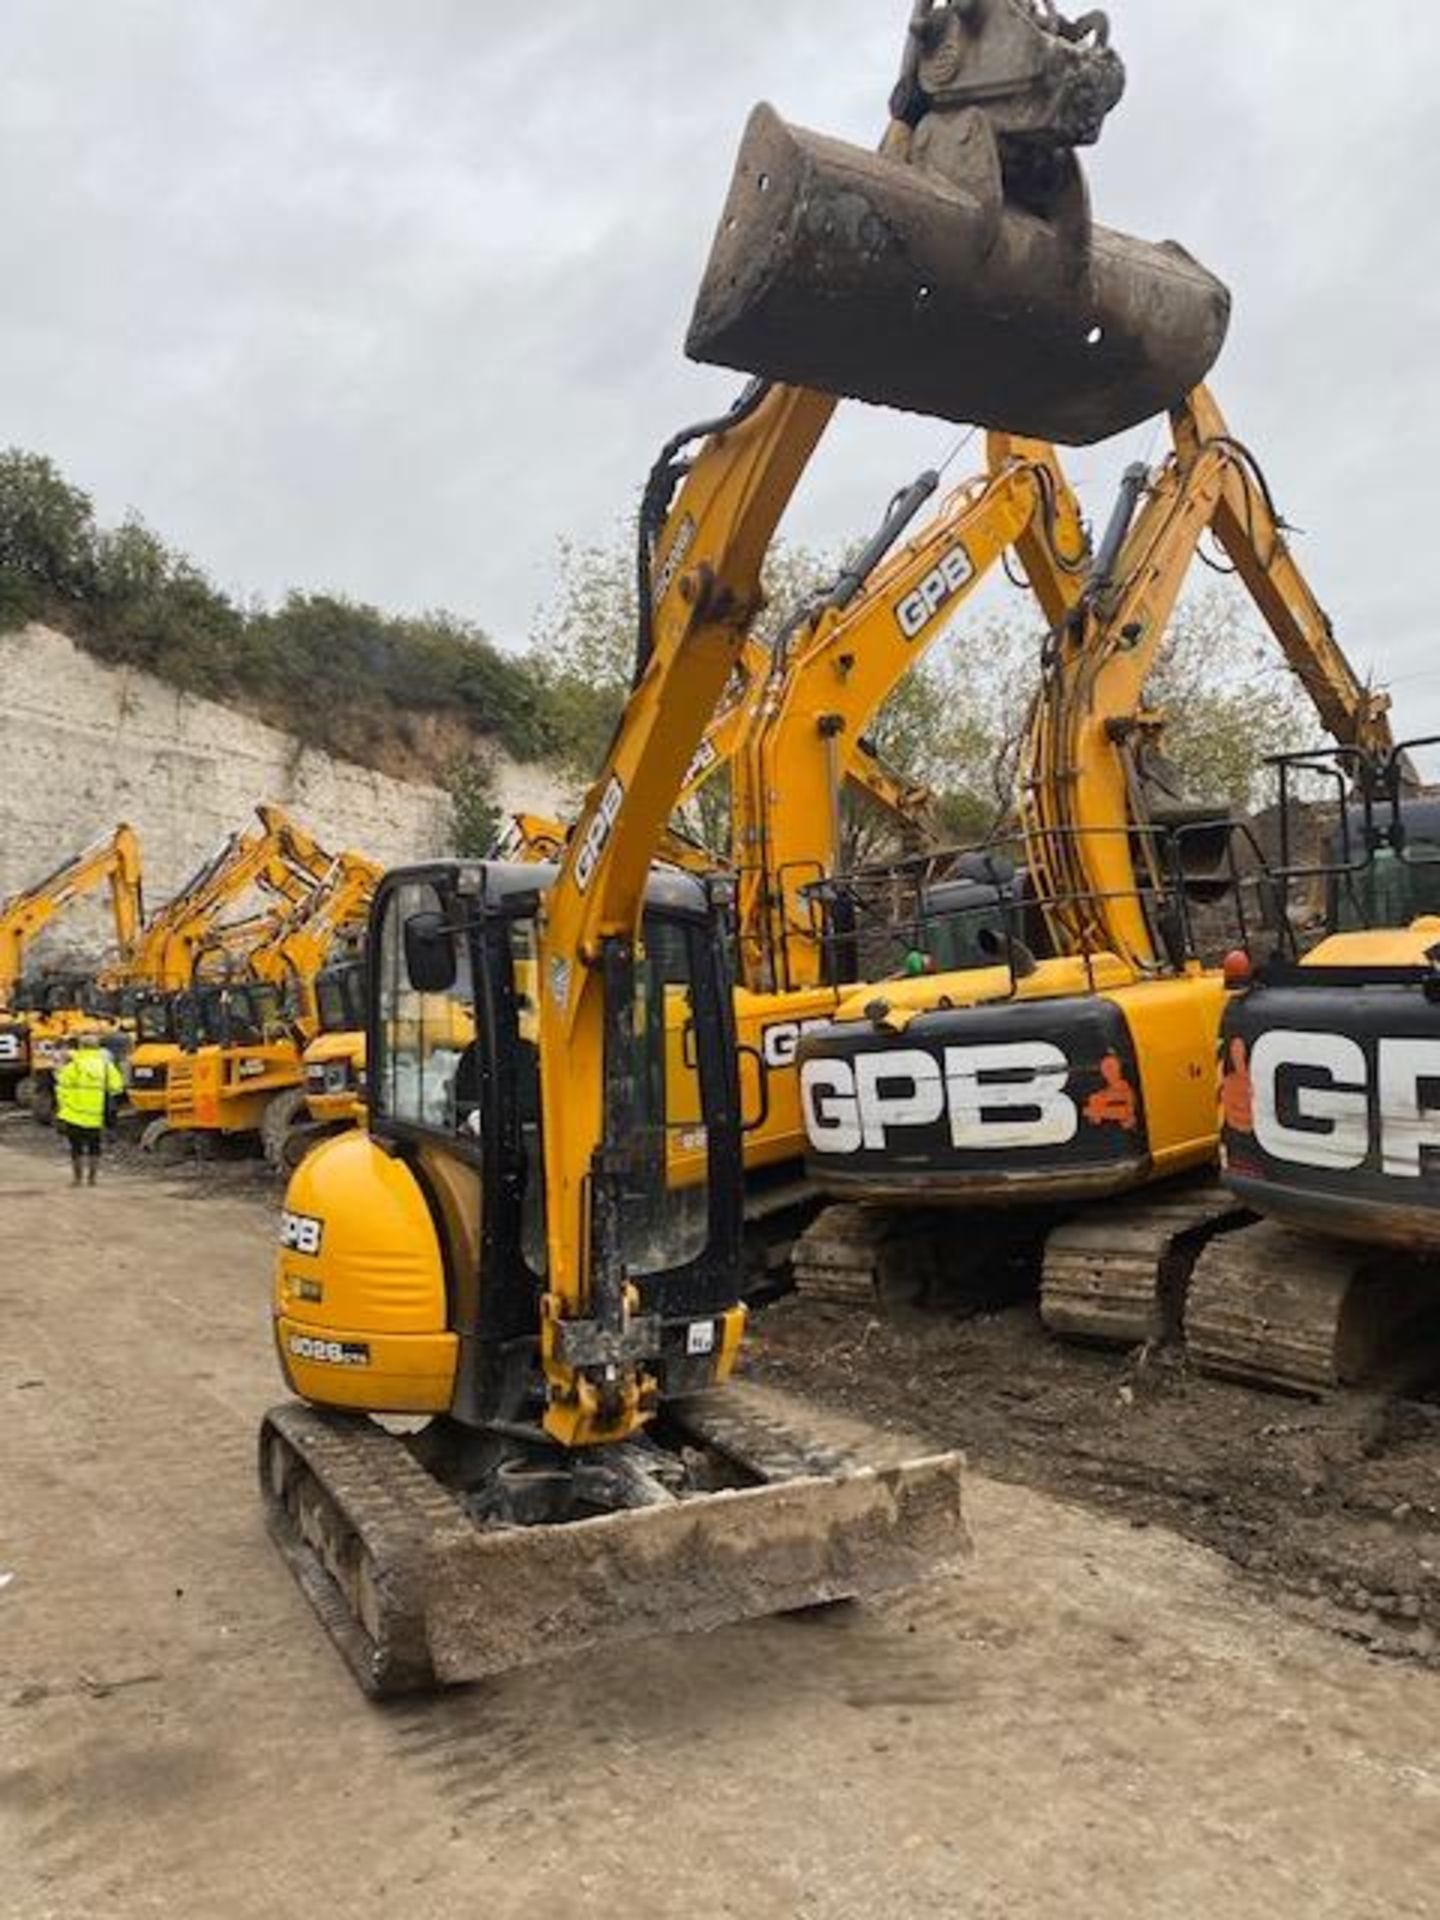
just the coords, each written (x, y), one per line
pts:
(112, 862)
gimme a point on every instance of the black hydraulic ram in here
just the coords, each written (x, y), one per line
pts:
(958, 272)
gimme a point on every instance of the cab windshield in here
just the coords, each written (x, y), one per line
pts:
(154, 1020)
(228, 1016)
(339, 1000)
(432, 1075)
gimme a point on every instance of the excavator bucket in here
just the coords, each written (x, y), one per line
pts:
(957, 272)
(415, 1593)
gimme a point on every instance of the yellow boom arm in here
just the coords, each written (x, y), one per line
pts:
(281, 858)
(114, 861)
(811, 713)
(1081, 799)
(704, 563)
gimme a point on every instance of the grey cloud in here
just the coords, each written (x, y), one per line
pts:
(387, 298)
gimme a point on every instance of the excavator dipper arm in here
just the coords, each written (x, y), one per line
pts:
(701, 582)
(114, 861)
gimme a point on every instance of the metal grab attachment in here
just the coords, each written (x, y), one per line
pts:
(958, 272)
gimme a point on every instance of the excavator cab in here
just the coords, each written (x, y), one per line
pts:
(958, 272)
(455, 1106)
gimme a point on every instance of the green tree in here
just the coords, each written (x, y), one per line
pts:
(337, 673)
(474, 816)
(1228, 698)
(47, 536)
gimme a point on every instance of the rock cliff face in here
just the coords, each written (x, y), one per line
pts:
(83, 745)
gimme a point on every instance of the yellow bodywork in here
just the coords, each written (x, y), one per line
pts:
(227, 1089)
(151, 1057)
(1408, 946)
(1173, 1021)
(375, 1280)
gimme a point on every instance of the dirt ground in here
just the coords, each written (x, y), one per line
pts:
(1331, 1508)
(1099, 1716)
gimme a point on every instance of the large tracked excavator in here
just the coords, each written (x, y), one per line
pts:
(1330, 1127)
(1079, 1065)
(537, 1244)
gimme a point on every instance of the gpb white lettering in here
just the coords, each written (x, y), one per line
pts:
(949, 576)
(1338, 1138)
(301, 1232)
(850, 1105)
(598, 829)
(780, 1043)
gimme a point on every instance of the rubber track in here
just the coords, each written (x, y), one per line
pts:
(389, 1506)
(386, 1503)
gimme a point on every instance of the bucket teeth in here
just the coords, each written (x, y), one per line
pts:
(858, 274)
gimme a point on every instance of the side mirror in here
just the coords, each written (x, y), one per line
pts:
(430, 953)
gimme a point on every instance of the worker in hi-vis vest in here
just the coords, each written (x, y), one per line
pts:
(84, 1089)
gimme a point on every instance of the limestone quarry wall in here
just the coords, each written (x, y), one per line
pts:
(84, 745)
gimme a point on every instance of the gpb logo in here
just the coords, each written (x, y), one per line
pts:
(780, 1043)
(597, 832)
(1010, 1094)
(706, 754)
(1309, 1100)
(674, 560)
(301, 1232)
(920, 606)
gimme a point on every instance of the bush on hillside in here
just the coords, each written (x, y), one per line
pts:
(129, 598)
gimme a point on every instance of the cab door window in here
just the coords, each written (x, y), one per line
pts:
(428, 1071)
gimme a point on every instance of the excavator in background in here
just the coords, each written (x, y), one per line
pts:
(244, 1026)
(334, 1061)
(1079, 1064)
(278, 860)
(792, 736)
(510, 1251)
(35, 1016)
(794, 733)
(1329, 1123)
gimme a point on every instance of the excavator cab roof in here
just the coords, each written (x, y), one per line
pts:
(497, 883)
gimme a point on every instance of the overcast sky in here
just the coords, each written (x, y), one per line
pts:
(387, 297)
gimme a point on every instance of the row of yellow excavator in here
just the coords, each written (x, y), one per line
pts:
(1178, 1075)
(223, 1005)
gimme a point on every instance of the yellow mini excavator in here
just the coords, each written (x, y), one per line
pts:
(1079, 1064)
(29, 1039)
(510, 1250)
(792, 735)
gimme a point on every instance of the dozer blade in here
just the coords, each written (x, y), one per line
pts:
(415, 1594)
(857, 274)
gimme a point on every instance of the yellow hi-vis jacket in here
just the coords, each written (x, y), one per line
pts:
(81, 1086)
